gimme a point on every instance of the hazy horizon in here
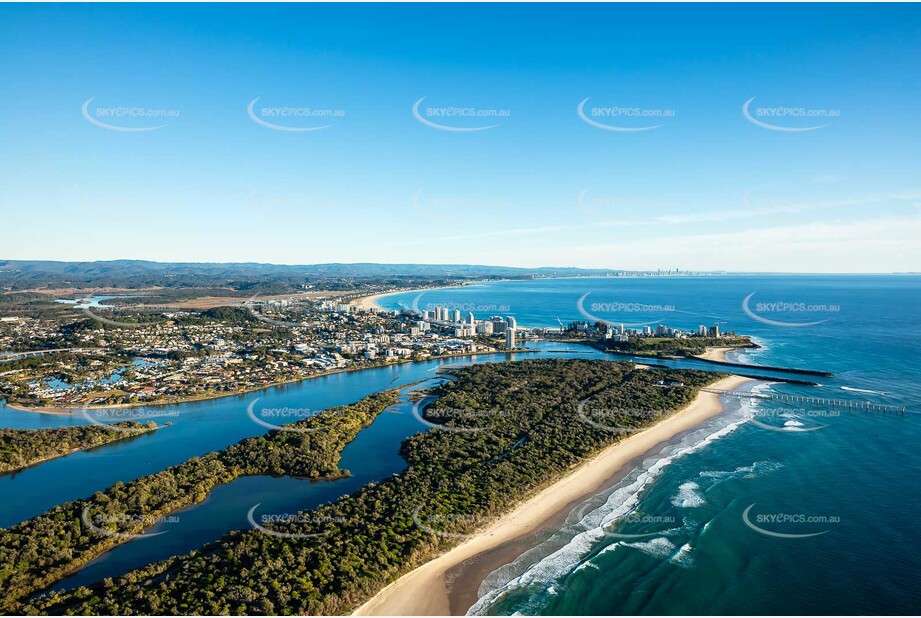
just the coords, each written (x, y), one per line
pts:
(765, 138)
(720, 271)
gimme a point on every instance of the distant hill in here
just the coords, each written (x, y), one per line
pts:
(28, 274)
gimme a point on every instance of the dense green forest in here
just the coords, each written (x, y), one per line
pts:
(668, 346)
(529, 417)
(41, 550)
(23, 447)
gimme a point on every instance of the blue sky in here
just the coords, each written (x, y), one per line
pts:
(707, 188)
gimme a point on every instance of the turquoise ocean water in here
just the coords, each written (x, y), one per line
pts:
(768, 509)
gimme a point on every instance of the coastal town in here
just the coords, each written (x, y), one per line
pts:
(618, 333)
(110, 355)
(107, 355)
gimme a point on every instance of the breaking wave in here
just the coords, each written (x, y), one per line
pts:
(565, 552)
(688, 496)
(862, 390)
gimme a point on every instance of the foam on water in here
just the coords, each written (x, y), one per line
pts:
(608, 549)
(692, 495)
(659, 547)
(756, 469)
(688, 496)
(683, 556)
(589, 530)
(707, 526)
(861, 390)
(745, 355)
(588, 564)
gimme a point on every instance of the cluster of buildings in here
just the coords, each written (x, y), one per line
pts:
(187, 354)
(469, 326)
(620, 334)
(21, 330)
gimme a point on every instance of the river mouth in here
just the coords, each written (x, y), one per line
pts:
(198, 428)
(372, 456)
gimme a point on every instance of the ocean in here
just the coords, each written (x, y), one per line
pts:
(770, 508)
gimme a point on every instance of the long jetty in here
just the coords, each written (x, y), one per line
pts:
(846, 404)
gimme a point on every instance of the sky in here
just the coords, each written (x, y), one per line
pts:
(699, 137)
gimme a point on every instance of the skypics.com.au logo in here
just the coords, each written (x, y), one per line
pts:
(108, 524)
(441, 416)
(450, 525)
(617, 420)
(282, 309)
(783, 525)
(286, 419)
(612, 313)
(456, 119)
(615, 527)
(782, 118)
(792, 420)
(293, 118)
(623, 119)
(106, 416)
(127, 119)
(300, 525)
(782, 307)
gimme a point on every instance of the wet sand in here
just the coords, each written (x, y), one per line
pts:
(716, 354)
(448, 584)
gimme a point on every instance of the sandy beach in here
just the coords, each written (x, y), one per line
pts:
(716, 354)
(53, 411)
(370, 302)
(425, 590)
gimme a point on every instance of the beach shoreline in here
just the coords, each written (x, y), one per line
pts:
(716, 354)
(368, 303)
(426, 591)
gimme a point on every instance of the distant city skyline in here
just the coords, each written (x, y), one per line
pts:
(756, 138)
